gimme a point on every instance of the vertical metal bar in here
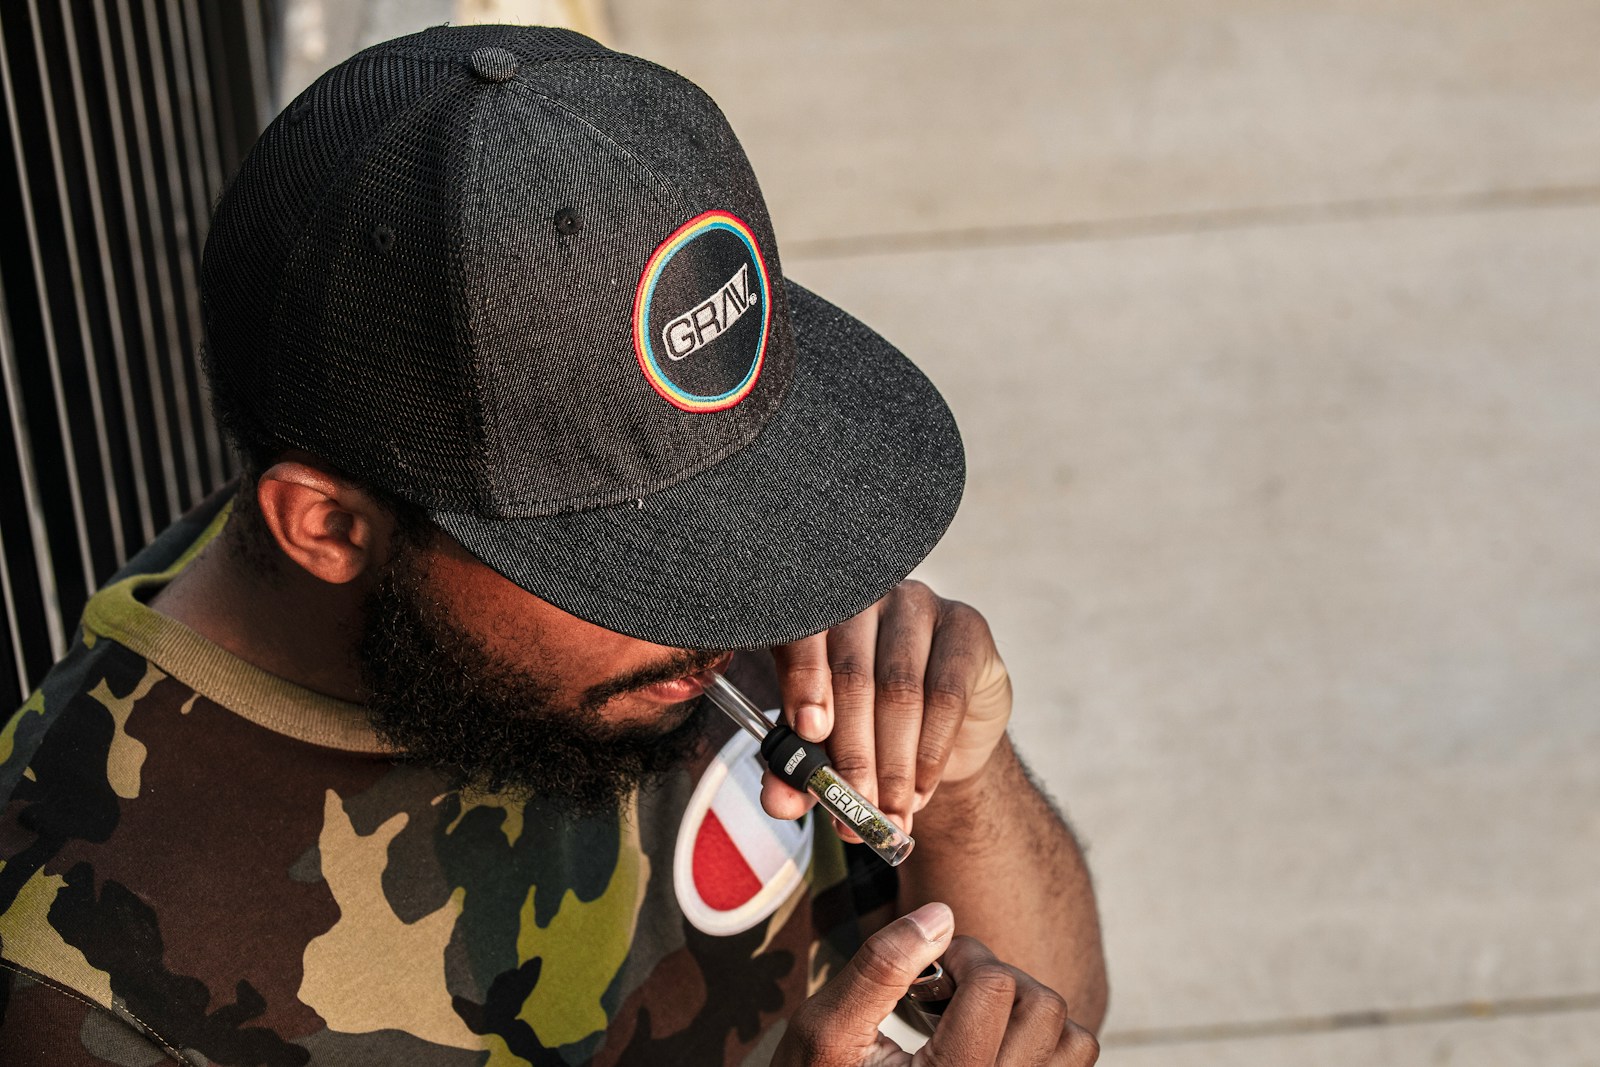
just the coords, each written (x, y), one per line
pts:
(204, 120)
(80, 308)
(32, 505)
(238, 53)
(255, 36)
(195, 34)
(37, 631)
(132, 112)
(214, 43)
(108, 281)
(74, 493)
(162, 57)
(199, 220)
(36, 601)
(190, 480)
(16, 668)
(188, 141)
(155, 404)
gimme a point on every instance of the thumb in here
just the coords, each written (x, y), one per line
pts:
(807, 685)
(844, 1014)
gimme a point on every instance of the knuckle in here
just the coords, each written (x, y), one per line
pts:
(963, 609)
(1082, 1047)
(807, 670)
(1048, 1005)
(810, 1037)
(913, 590)
(993, 980)
(947, 693)
(851, 678)
(911, 602)
(881, 961)
(962, 613)
(853, 767)
(895, 782)
(805, 1027)
(967, 945)
(900, 685)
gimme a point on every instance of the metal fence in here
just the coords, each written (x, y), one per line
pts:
(121, 120)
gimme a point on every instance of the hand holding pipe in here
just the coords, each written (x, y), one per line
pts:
(804, 765)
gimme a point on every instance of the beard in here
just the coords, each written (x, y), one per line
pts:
(443, 702)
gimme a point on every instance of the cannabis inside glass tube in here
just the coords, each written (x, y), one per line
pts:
(856, 812)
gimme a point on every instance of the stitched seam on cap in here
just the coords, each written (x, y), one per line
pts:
(490, 399)
(672, 201)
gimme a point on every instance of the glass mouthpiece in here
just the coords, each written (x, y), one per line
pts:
(738, 707)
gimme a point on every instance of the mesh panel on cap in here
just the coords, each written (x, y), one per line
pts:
(265, 209)
(373, 347)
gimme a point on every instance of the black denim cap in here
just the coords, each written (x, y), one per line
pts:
(530, 284)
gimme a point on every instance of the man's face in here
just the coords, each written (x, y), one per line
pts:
(503, 692)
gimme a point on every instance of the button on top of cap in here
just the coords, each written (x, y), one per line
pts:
(492, 64)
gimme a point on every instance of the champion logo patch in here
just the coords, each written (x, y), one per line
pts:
(734, 864)
(702, 314)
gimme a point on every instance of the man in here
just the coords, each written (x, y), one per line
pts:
(395, 752)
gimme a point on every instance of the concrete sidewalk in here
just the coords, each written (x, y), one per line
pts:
(1272, 332)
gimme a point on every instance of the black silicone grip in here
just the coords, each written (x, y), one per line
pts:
(791, 757)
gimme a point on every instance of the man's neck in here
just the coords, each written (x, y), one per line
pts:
(283, 621)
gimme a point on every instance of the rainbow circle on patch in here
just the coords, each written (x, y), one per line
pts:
(702, 314)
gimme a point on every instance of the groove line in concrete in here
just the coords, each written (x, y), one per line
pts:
(1514, 1007)
(1173, 223)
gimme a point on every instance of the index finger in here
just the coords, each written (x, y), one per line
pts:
(807, 685)
(998, 1010)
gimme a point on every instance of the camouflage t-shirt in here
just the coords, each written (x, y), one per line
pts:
(201, 861)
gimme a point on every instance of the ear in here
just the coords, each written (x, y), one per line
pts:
(328, 526)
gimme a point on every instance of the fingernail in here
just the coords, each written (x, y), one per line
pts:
(810, 724)
(920, 800)
(935, 921)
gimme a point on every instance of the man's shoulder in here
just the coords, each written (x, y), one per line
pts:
(67, 762)
(95, 667)
(68, 726)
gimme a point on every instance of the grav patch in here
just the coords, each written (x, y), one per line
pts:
(702, 314)
(734, 864)
(707, 320)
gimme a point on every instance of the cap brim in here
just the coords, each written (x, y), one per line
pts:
(845, 490)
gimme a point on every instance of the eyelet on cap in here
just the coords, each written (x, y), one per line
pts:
(382, 238)
(298, 113)
(567, 221)
(492, 64)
